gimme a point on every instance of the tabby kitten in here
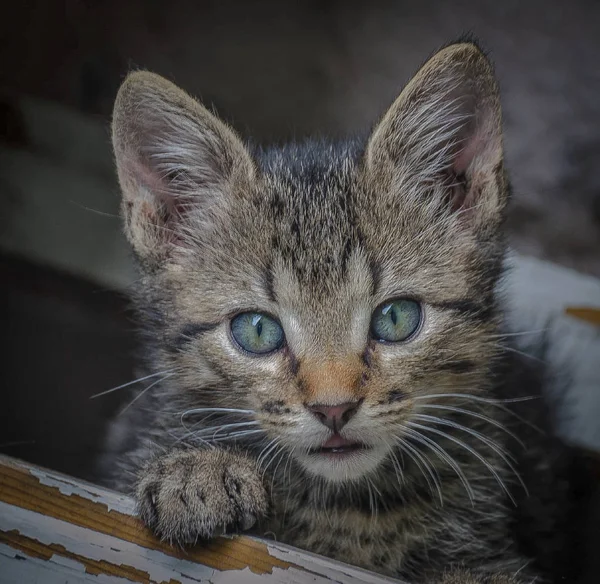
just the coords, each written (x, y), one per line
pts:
(324, 357)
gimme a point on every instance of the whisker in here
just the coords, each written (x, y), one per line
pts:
(96, 211)
(522, 353)
(498, 448)
(373, 499)
(226, 410)
(468, 448)
(133, 382)
(499, 403)
(278, 451)
(443, 455)
(521, 419)
(190, 436)
(235, 435)
(520, 333)
(396, 464)
(219, 429)
(282, 451)
(143, 392)
(266, 450)
(287, 471)
(416, 456)
(475, 415)
(202, 433)
(486, 400)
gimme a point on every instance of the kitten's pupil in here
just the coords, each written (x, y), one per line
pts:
(259, 328)
(394, 317)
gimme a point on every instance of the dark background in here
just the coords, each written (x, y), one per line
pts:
(276, 71)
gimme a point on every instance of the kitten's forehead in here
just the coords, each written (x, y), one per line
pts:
(309, 199)
(319, 271)
(321, 209)
(319, 318)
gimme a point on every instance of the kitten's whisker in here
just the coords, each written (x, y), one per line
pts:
(190, 440)
(497, 448)
(200, 434)
(139, 380)
(521, 419)
(279, 448)
(372, 499)
(475, 415)
(266, 450)
(143, 392)
(522, 353)
(192, 430)
(499, 403)
(281, 451)
(216, 430)
(521, 333)
(397, 465)
(468, 448)
(225, 410)
(96, 211)
(500, 450)
(486, 400)
(236, 434)
(443, 455)
(420, 459)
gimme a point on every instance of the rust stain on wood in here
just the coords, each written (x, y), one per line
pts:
(20, 488)
(586, 313)
(36, 549)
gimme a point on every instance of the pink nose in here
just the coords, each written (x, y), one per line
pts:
(334, 417)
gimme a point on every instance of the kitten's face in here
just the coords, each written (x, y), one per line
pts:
(317, 277)
(326, 290)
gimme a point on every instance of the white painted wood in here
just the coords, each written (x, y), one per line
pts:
(18, 567)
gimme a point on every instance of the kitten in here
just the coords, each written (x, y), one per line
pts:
(323, 334)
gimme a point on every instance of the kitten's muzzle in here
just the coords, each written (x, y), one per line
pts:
(335, 417)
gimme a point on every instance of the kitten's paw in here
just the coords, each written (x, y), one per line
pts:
(187, 495)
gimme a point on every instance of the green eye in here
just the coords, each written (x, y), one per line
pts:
(396, 320)
(257, 333)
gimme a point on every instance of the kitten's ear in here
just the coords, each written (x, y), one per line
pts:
(445, 128)
(177, 164)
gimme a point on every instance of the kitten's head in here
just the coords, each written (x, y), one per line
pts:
(326, 289)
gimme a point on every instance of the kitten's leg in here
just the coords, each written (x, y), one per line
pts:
(186, 495)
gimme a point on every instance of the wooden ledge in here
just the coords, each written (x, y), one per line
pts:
(55, 528)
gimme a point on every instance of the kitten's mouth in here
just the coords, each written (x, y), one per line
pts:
(338, 445)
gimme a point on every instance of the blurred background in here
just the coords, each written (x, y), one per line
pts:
(276, 71)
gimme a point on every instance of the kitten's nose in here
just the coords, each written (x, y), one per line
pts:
(334, 417)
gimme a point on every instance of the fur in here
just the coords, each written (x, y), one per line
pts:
(455, 485)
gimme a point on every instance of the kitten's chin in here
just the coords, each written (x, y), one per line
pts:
(339, 467)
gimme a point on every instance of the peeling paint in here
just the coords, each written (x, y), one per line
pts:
(90, 545)
(58, 553)
(55, 525)
(98, 554)
(68, 487)
(19, 487)
(334, 571)
(30, 570)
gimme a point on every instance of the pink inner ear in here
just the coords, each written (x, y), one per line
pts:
(473, 145)
(467, 153)
(158, 201)
(139, 174)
